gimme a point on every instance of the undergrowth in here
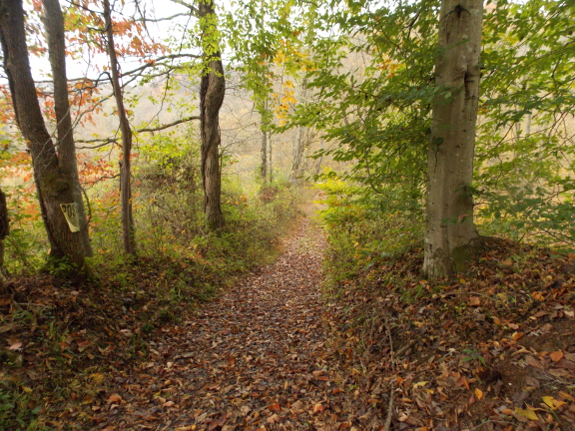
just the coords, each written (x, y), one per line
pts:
(63, 339)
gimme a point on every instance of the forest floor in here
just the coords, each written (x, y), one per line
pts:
(489, 350)
(256, 358)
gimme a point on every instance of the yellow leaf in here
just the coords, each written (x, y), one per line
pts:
(419, 384)
(528, 413)
(478, 393)
(26, 389)
(553, 403)
(97, 377)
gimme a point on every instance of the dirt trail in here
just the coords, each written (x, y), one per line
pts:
(254, 359)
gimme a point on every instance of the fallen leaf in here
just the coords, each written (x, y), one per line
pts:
(556, 356)
(553, 403)
(317, 408)
(275, 407)
(97, 377)
(478, 393)
(474, 301)
(115, 398)
(15, 346)
(533, 362)
(462, 381)
(566, 396)
(518, 335)
(528, 413)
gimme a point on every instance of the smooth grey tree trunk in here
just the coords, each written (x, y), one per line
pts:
(451, 236)
(54, 184)
(128, 234)
(54, 25)
(212, 91)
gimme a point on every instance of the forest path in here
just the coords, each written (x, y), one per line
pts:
(256, 358)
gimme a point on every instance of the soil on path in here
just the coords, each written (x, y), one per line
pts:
(257, 358)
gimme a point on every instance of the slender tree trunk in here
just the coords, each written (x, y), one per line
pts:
(320, 160)
(53, 183)
(4, 228)
(296, 167)
(125, 168)
(450, 236)
(212, 91)
(54, 24)
(270, 164)
(264, 147)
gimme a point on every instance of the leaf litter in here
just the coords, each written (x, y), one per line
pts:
(258, 357)
(491, 350)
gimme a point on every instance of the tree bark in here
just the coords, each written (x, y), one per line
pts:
(4, 228)
(128, 234)
(264, 147)
(54, 25)
(212, 91)
(450, 235)
(296, 172)
(53, 183)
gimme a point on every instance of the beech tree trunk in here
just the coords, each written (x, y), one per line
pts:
(212, 91)
(54, 184)
(125, 167)
(54, 25)
(451, 237)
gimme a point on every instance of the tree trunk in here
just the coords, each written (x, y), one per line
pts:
(320, 160)
(270, 164)
(450, 236)
(296, 172)
(264, 153)
(4, 228)
(125, 167)
(54, 185)
(54, 25)
(212, 91)
(264, 147)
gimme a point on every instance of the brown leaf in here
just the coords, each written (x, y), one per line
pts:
(15, 346)
(317, 408)
(115, 398)
(474, 301)
(462, 381)
(556, 356)
(533, 362)
(275, 407)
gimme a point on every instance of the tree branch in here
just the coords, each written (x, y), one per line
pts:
(166, 126)
(192, 8)
(102, 142)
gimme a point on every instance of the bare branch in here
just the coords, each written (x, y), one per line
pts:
(166, 126)
(102, 142)
(189, 6)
